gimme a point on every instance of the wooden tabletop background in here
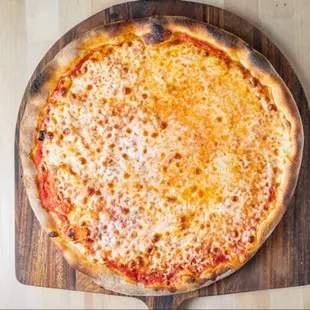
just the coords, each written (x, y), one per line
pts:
(28, 28)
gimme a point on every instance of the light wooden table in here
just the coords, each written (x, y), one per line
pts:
(28, 28)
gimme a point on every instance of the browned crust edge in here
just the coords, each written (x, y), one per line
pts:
(154, 30)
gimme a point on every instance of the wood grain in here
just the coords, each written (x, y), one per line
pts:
(36, 257)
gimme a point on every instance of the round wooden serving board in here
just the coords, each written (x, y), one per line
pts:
(283, 261)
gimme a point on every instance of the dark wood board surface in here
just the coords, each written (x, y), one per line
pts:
(284, 260)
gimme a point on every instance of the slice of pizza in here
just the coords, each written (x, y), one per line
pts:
(159, 154)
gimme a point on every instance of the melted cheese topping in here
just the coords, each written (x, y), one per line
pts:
(163, 158)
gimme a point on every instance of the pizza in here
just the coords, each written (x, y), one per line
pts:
(159, 154)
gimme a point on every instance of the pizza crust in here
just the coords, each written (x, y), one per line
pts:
(153, 30)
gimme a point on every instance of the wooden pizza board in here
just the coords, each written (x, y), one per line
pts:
(284, 260)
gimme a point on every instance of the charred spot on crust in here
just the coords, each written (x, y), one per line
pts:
(213, 276)
(191, 280)
(71, 233)
(41, 135)
(39, 81)
(221, 36)
(53, 234)
(258, 60)
(158, 33)
(35, 85)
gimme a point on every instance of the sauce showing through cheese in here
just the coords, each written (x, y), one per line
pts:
(161, 161)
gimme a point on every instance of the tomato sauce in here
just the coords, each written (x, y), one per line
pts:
(44, 186)
(202, 44)
(138, 275)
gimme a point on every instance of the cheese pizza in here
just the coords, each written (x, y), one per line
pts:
(159, 153)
